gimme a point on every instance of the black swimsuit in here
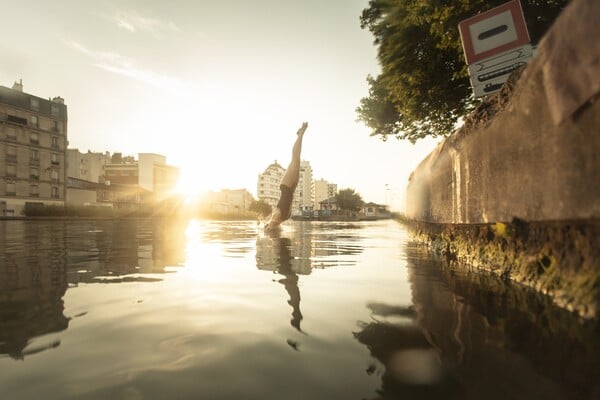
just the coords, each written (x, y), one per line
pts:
(285, 201)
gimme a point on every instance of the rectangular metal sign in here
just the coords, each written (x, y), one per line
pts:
(494, 31)
(496, 43)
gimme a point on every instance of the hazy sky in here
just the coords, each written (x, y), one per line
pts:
(219, 87)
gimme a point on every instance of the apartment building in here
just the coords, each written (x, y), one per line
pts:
(304, 194)
(267, 188)
(323, 191)
(269, 192)
(155, 179)
(86, 166)
(33, 141)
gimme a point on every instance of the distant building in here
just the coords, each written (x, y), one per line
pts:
(150, 173)
(124, 181)
(304, 194)
(372, 211)
(33, 139)
(123, 174)
(164, 180)
(267, 188)
(323, 190)
(269, 192)
(87, 166)
(329, 204)
(228, 202)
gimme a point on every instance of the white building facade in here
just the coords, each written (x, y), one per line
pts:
(267, 188)
(304, 194)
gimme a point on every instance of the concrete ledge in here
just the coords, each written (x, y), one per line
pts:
(521, 162)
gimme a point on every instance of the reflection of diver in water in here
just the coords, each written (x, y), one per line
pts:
(290, 279)
(274, 253)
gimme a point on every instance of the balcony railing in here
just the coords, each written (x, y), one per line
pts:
(34, 162)
(34, 195)
(11, 158)
(34, 177)
(11, 193)
(11, 138)
(55, 162)
(34, 141)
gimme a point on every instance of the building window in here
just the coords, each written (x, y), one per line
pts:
(34, 138)
(11, 154)
(33, 191)
(54, 142)
(34, 157)
(54, 175)
(11, 170)
(54, 192)
(55, 159)
(11, 134)
(34, 120)
(35, 104)
(10, 189)
(34, 174)
(54, 110)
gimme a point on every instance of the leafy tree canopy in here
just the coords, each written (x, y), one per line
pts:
(348, 199)
(260, 207)
(423, 87)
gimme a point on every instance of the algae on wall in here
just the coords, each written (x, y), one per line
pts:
(560, 259)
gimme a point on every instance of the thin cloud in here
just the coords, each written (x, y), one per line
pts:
(125, 66)
(133, 22)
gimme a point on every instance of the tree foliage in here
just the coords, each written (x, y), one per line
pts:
(423, 87)
(348, 199)
(260, 207)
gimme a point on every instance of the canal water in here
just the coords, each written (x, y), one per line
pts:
(177, 309)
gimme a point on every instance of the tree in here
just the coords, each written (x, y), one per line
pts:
(260, 207)
(348, 199)
(423, 87)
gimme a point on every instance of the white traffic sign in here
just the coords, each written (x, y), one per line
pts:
(494, 31)
(495, 43)
(518, 54)
(487, 76)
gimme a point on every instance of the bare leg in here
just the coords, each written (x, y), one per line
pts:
(292, 174)
(290, 179)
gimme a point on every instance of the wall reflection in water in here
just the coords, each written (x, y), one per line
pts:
(39, 260)
(474, 335)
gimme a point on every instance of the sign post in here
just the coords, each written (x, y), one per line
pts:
(496, 43)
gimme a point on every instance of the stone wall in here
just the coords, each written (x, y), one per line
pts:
(538, 157)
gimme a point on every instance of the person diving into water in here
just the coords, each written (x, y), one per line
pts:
(283, 210)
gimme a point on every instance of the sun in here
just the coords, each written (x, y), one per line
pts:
(190, 184)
